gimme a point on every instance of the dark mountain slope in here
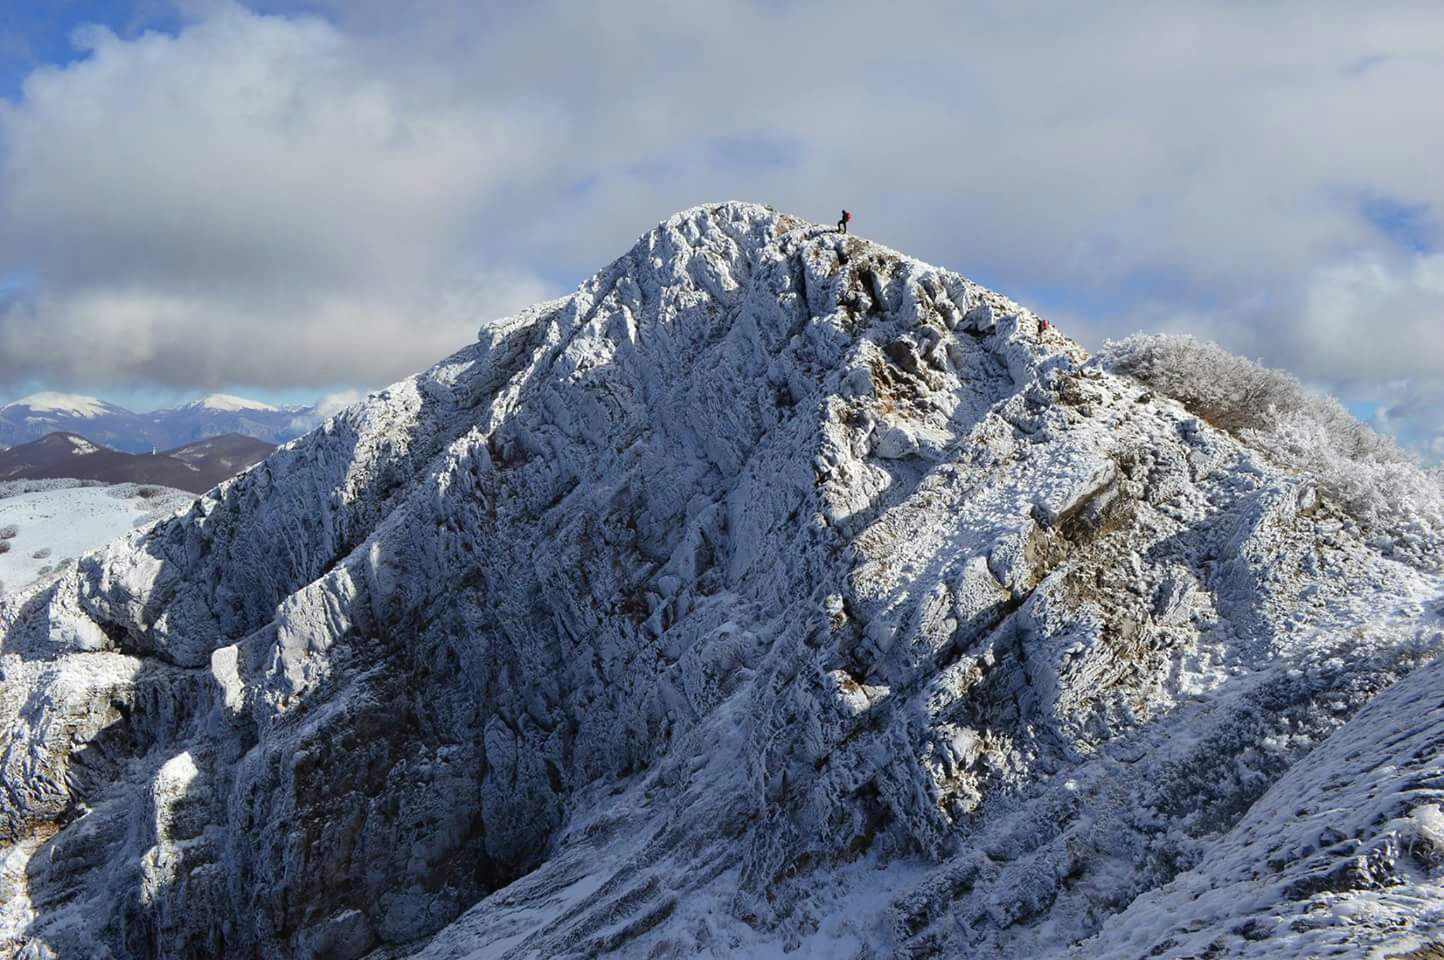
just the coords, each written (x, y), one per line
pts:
(195, 467)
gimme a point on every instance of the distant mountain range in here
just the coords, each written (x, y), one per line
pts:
(40, 414)
(194, 466)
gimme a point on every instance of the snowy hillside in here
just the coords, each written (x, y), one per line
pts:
(50, 523)
(773, 592)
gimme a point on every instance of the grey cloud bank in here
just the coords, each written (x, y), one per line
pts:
(309, 200)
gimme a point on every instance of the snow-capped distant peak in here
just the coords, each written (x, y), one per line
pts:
(70, 404)
(230, 404)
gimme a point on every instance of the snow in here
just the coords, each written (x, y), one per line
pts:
(773, 594)
(69, 404)
(79, 446)
(1343, 853)
(64, 524)
(233, 404)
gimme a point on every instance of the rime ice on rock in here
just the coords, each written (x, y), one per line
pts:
(772, 591)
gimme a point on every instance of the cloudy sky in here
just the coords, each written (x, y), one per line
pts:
(288, 199)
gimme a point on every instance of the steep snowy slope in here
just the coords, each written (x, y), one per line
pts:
(773, 591)
(1351, 837)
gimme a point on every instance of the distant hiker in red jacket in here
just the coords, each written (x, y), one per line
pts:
(842, 224)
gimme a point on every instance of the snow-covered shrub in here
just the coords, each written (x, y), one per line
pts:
(1393, 498)
(1227, 391)
(1383, 487)
(1235, 394)
(4, 546)
(42, 554)
(9, 532)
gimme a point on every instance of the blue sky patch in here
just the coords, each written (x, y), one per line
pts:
(17, 283)
(1365, 410)
(1408, 225)
(38, 32)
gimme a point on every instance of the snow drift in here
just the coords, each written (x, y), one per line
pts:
(774, 591)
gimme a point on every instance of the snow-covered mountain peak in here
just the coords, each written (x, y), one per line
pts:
(232, 404)
(773, 592)
(68, 404)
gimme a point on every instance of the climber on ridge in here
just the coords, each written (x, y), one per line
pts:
(842, 224)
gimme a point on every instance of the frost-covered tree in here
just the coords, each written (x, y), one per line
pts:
(1383, 487)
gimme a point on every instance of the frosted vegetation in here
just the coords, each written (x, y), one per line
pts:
(774, 594)
(1382, 487)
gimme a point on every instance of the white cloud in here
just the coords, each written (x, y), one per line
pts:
(334, 403)
(1373, 318)
(307, 336)
(1369, 329)
(246, 202)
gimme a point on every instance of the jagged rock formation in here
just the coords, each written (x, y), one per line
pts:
(774, 590)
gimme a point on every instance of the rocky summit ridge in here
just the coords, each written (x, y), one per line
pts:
(773, 591)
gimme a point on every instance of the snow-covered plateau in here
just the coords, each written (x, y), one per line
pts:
(773, 594)
(45, 523)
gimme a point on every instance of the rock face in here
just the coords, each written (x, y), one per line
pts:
(772, 591)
